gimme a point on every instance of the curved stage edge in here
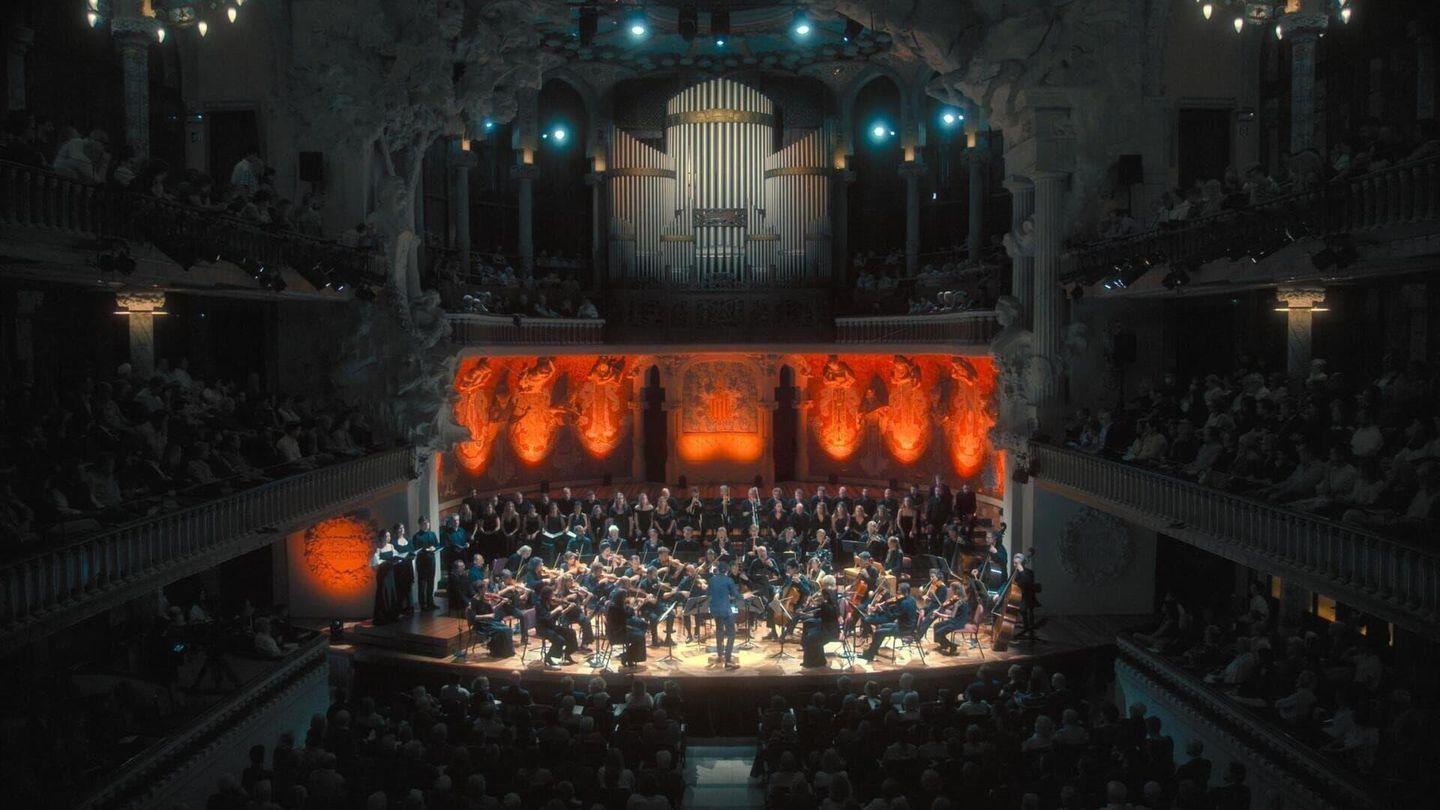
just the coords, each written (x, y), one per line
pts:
(423, 649)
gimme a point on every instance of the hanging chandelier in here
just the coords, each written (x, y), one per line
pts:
(167, 14)
(1241, 13)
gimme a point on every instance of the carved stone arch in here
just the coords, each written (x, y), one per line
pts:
(567, 75)
(857, 83)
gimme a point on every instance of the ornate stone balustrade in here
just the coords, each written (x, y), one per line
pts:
(58, 585)
(507, 329)
(146, 779)
(1386, 577)
(1305, 775)
(971, 328)
(38, 199)
(1400, 195)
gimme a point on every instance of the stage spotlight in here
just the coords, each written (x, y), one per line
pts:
(489, 125)
(801, 24)
(589, 23)
(852, 29)
(637, 25)
(880, 132)
(951, 117)
(557, 134)
(689, 23)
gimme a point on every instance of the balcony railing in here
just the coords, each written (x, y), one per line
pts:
(1403, 194)
(971, 328)
(57, 586)
(36, 198)
(1387, 577)
(144, 779)
(509, 329)
(1306, 775)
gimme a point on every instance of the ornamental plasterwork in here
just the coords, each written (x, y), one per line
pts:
(1096, 547)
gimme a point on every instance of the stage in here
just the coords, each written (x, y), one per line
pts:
(431, 641)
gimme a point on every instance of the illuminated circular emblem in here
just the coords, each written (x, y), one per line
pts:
(337, 554)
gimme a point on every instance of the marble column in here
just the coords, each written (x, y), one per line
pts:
(840, 181)
(1022, 264)
(596, 182)
(141, 308)
(1424, 72)
(912, 171)
(460, 165)
(133, 37)
(27, 305)
(1047, 312)
(18, 38)
(1302, 31)
(979, 170)
(1300, 303)
(526, 175)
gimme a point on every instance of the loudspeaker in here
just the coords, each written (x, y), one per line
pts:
(1129, 170)
(312, 167)
(1126, 349)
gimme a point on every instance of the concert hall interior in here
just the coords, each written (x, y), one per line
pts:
(661, 404)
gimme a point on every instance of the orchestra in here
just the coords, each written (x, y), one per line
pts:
(632, 570)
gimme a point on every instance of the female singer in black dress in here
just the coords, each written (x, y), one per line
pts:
(492, 538)
(552, 532)
(383, 562)
(642, 517)
(577, 531)
(510, 529)
(822, 623)
(667, 520)
(404, 569)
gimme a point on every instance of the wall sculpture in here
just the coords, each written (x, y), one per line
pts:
(720, 416)
(337, 555)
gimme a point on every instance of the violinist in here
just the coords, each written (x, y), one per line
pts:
(550, 625)
(626, 627)
(894, 617)
(507, 597)
(822, 550)
(933, 597)
(874, 540)
(485, 624)
(761, 572)
(688, 586)
(821, 614)
(954, 615)
(519, 561)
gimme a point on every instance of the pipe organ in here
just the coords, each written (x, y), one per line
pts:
(719, 207)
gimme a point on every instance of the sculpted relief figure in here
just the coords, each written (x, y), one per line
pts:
(1023, 371)
(532, 430)
(599, 405)
(968, 417)
(837, 415)
(393, 221)
(1020, 242)
(905, 418)
(480, 411)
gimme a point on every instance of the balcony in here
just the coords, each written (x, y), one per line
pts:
(169, 769)
(974, 328)
(1290, 765)
(50, 589)
(50, 223)
(504, 330)
(1394, 204)
(1388, 578)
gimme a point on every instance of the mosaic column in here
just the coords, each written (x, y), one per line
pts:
(1302, 30)
(141, 309)
(460, 166)
(840, 181)
(979, 171)
(1300, 303)
(596, 182)
(18, 39)
(133, 37)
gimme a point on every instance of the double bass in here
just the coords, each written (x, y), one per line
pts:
(1008, 607)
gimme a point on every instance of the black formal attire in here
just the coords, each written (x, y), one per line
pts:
(899, 619)
(963, 611)
(404, 574)
(386, 609)
(626, 628)
(425, 543)
(484, 624)
(561, 638)
(820, 629)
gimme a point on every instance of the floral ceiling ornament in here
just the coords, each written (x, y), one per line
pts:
(1096, 547)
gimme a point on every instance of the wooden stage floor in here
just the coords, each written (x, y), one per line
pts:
(432, 641)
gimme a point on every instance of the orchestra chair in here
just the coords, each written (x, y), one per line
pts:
(972, 629)
(527, 619)
(903, 640)
(600, 658)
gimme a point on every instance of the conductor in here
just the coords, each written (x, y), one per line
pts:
(724, 597)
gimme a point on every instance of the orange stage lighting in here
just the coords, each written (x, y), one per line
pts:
(337, 555)
(742, 448)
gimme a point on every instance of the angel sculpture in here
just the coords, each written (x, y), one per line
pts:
(1025, 374)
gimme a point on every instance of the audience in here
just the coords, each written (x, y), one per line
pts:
(1366, 452)
(104, 452)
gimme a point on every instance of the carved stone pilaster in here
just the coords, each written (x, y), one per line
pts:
(1303, 29)
(1300, 303)
(141, 307)
(1020, 243)
(525, 175)
(912, 171)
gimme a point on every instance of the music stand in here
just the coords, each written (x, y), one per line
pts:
(782, 655)
(669, 635)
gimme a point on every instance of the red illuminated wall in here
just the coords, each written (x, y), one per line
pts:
(872, 416)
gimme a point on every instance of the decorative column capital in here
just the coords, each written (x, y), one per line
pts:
(524, 172)
(133, 30)
(1018, 185)
(1304, 25)
(140, 302)
(912, 168)
(1300, 297)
